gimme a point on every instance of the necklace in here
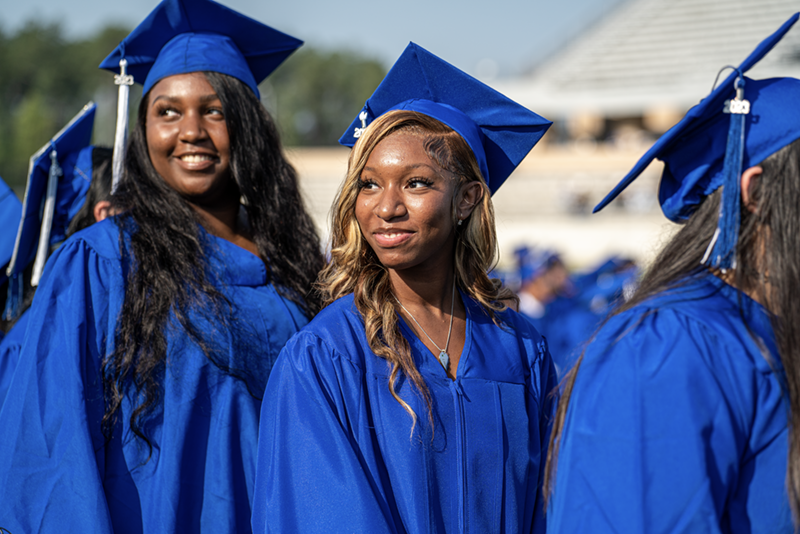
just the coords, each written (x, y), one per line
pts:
(444, 358)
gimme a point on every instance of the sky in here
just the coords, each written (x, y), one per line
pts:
(487, 38)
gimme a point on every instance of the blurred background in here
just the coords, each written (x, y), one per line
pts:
(613, 75)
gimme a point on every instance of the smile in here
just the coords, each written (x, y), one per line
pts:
(195, 158)
(392, 239)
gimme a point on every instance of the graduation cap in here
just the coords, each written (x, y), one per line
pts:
(10, 211)
(59, 175)
(533, 262)
(737, 126)
(183, 36)
(499, 131)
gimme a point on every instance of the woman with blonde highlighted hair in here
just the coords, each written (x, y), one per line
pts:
(416, 401)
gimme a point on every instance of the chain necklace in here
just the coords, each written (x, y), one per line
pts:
(444, 358)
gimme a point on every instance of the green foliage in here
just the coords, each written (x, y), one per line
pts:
(315, 95)
(45, 79)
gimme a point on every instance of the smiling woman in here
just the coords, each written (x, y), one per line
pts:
(415, 401)
(135, 407)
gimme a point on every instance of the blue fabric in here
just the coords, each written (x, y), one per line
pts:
(499, 131)
(567, 324)
(179, 37)
(10, 212)
(59, 474)
(337, 454)
(9, 353)
(694, 149)
(677, 422)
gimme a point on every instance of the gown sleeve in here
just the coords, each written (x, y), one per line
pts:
(655, 430)
(313, 473)
(52, 446)
(9, 353)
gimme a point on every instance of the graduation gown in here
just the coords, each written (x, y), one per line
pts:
(57, 471)
(337, 452)
(677, 421)
(9, 353)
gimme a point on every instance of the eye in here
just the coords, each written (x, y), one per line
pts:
(416, 183)
(215, 112)
(167, 111)
(366, 184)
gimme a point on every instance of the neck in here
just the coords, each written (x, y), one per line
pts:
(224, 221)
(430, 290)
(755, 292)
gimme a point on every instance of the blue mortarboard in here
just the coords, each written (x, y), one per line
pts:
(59, 175)
(499, 131)
(735, 127)
(533, 262)
(10, 211)
(183, 36)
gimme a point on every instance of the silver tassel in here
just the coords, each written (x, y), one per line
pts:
(124, 80)
(47, 219)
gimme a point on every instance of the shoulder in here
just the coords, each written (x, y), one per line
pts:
(101, 238)
(691, 340)
(336, 332)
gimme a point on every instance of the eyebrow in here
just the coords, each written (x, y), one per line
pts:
(415, 166)
(204, 99)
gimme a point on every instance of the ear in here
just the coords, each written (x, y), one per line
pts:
(101, 210)
(750, 179)
(471, 195)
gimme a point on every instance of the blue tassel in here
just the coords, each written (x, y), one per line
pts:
(14, 297)
(721, 252)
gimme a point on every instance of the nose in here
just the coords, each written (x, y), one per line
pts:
(390, 203)
(192, 128)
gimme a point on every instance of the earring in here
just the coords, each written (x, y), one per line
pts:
(460, 221)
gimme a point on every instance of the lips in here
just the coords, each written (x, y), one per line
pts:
(196, 161)
(392, 238)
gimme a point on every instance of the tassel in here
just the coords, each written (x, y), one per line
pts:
(14, 297)
(721, 252)
(124, 81)
(47, 218)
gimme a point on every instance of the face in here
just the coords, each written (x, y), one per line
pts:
(404, 206)
(187, 139)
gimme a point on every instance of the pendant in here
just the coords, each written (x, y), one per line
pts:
(444, 359)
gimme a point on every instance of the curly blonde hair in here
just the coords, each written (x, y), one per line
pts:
(355, 268)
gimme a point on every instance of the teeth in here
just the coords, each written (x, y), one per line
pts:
(195, 158)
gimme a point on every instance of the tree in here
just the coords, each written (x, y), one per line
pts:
(315, 95)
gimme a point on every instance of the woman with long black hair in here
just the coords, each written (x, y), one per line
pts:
(416, 401)
(136, 401)
(675, 417)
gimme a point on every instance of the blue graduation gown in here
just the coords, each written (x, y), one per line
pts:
(337, 454)
(9, 353)
(57, 472)
(677, 422)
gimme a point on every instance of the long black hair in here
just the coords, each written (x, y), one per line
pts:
(167, 282)
(768, 267)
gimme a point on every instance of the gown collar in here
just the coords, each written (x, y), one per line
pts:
(427, 362)
(233, 264)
